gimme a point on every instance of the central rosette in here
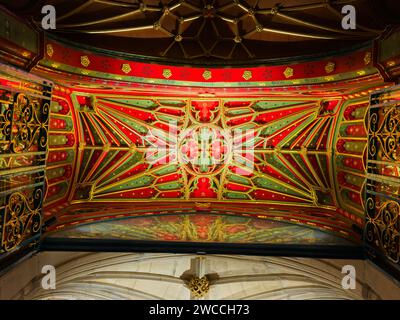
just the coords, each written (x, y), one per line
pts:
(204, 149)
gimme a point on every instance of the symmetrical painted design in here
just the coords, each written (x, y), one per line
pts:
(319, 218)
(127, 138)
(201, 227)
(137, 148)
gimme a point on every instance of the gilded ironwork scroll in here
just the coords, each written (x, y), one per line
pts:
(22, 217)
(24, 119)
(382, 228)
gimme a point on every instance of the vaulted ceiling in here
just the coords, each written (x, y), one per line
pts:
(213, 30)
(165, 276)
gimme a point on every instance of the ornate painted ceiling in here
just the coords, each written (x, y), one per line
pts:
(102, 144)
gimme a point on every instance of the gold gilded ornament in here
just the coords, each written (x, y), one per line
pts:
(288, 72)
(367, 58)
(330, 67)
(247, 75)
(85, 61)
(49, 50)
(126, 68)
(199, 286)
(207, 75)
(391, 63)
(167, 73)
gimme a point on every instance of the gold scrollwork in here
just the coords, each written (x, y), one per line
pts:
(6, 125)
(199, 286)
(384, 133)
(21, 218)
(383, 227)
(29, 124)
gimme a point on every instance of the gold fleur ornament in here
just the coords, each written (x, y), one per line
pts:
(247, 75)
(167, 73)
(85, 61)
(126, 68)
(330, 67)
(49, 50)
(288, 72)
(207, 75)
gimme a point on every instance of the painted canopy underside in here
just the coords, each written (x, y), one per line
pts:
(284, 143)
(246, 150)
(201, 227)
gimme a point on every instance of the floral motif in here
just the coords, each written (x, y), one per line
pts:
(247, 75)
(126, 68)
(207, 75)
(85, 61)
(288, 72)
(167, 73)
(330, 67)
